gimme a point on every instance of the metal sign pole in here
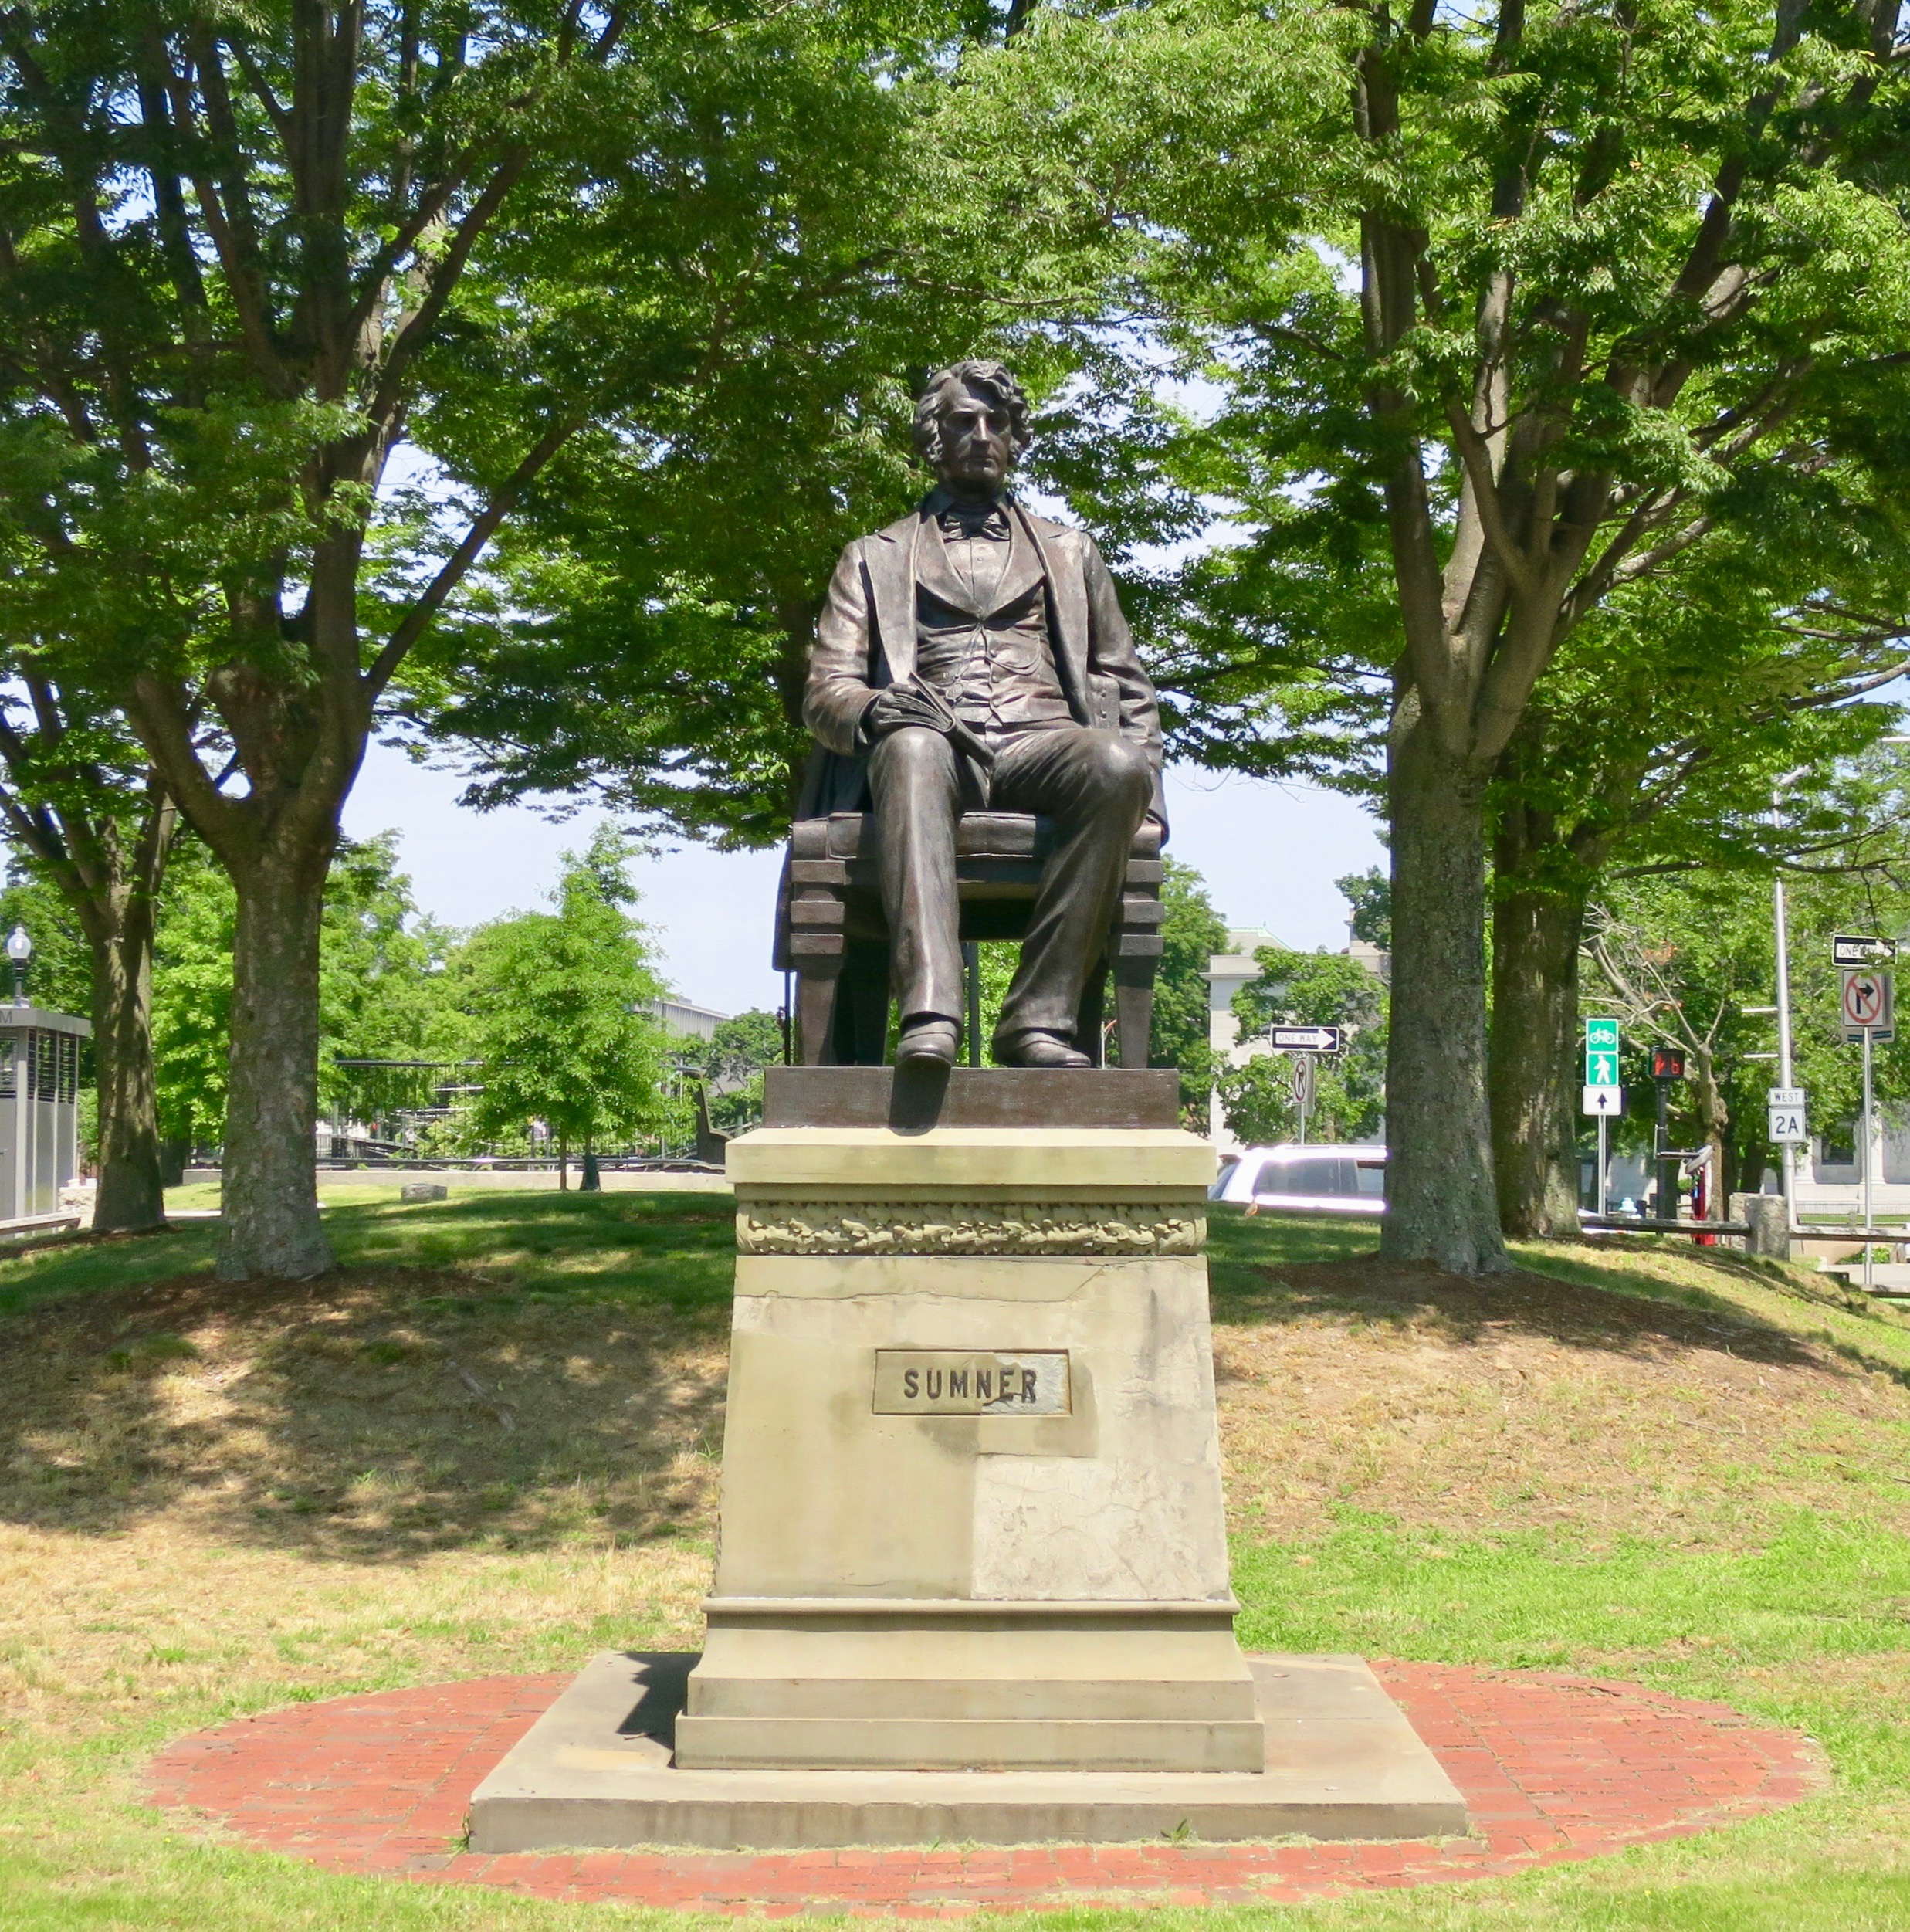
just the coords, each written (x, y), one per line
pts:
(1667, 1168)
(1789, 1148)
(1870, 1140)
(1306, 1093)
(1601, 1165)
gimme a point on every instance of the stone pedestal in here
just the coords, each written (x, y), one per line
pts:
(972, 1578)
(971, 1494)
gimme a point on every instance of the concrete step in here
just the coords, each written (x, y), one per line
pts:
(1000, 1743)
(1133, 1699)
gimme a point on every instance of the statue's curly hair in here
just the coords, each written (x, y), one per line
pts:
(987, 378)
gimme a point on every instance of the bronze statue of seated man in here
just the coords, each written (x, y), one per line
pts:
(974, 657)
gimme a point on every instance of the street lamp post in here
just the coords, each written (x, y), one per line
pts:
(19, 950)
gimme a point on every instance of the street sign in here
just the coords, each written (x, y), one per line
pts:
(1859, 949)
(1302, 1077)
(1865, 1004)
(1603, 1096)
(1787, 1124)
(1304, 1039)
(1668, 1063)
(1784, 1097)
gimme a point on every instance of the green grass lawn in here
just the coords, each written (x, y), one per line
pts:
(1679, 1468)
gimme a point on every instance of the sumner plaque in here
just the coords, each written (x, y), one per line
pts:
(943, 1382)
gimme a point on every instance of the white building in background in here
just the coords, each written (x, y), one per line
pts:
(1226, 973)
(1829, 1172)
(700, 1022)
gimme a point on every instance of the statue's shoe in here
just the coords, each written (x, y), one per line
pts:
(1040, 1050)
(927, 1043)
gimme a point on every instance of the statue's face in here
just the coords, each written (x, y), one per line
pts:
(975, 449)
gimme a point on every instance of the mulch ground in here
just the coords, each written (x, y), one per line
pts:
(1554, 1768)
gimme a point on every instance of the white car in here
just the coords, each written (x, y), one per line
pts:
(1305, 1179)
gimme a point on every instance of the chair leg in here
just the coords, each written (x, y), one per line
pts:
(971, 991)
(861, 1023)
(1090, 1037)
(816, 989)
(1134, 1006)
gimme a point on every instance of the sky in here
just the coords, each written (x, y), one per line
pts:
(1270, 854)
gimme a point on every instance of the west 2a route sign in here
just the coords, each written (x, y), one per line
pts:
(1785, 1105)
(1866, 1003)
(1602, 1096)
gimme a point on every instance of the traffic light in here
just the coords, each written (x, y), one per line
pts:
(1668, 1063)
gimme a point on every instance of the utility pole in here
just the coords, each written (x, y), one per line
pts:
(1789, 1149)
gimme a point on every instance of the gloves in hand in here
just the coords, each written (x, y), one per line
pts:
(897, 706)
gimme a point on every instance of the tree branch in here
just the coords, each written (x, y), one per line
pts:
(416, 620)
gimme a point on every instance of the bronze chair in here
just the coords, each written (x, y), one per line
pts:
(831, 932)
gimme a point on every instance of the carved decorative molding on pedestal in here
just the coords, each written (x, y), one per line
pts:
(967, 1228)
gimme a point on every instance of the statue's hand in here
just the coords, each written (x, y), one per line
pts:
(899, 707)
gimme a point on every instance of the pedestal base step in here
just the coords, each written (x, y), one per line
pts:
(806, 1684)
(1341, 1762)
(967, 1743)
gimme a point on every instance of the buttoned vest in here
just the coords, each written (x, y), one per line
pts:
(988, 656)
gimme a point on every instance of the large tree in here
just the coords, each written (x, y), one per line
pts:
(244, 254)
(1654, 747)
(1516, 292)
(382, 991)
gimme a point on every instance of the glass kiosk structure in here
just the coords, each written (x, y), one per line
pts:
(39, 1110)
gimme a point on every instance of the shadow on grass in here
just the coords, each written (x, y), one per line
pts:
(522, 1370)
(1280, 1269)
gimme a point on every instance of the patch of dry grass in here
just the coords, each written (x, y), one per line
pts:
(212, 1495)
(379, 1414)
(1526, 1401)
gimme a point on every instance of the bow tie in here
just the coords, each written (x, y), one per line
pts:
(975, 520)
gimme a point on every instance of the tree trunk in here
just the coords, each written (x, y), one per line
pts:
(1440, 1204)
(112, 887)
(1714, 1121)
(1532, 1068)
(130, 1195)
(271, 1223)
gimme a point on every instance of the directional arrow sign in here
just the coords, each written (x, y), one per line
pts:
(1609, 1101)
(1859, 949)
(1304, 1039)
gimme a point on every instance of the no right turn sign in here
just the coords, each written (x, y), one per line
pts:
(1866, 1003)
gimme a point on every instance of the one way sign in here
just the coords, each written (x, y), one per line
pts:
(1304, 1039)
(1860, 949)
(1608, 1102)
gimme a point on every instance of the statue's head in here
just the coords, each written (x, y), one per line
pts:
(971, 427)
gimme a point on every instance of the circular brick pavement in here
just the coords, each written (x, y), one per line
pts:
(1553, 1767)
